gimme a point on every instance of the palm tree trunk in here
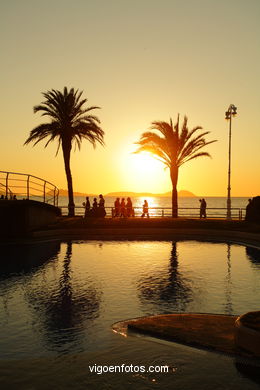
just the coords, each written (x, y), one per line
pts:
(66, 155)
(174, 179)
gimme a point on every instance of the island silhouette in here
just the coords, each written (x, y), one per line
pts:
(182, 193)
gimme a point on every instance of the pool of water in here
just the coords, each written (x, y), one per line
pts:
(59, 300)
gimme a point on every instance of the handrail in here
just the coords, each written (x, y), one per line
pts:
(237, 212)
(27, 174)
(6, 190)
(29, 186)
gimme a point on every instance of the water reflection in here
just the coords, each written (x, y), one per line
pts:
(63, 308)
(26, 258)
(253, 254)
(167, 289)
(21, 261)
(228, 307)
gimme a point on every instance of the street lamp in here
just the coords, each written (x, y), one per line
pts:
(232, 111)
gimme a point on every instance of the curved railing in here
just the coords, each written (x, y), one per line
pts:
(24, 186)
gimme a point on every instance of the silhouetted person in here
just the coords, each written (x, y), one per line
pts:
(101, 201)
(248, 208)
(87, 207)
(145, 209)
(2, 197)
(101, 206)
(14, 197)
(203, 207)
(94, 208)
(129, 208)
(117, 207)
(122, 208)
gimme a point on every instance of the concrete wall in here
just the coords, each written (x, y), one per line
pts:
(19, 217)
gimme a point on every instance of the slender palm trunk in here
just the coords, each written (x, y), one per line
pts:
(66, 155)
(174, 179)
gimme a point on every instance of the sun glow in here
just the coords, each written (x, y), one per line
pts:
(145, 164)
(144, 173)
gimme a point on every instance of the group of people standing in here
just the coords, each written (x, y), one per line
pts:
(123, 209)
(98, 208)
(11, 197)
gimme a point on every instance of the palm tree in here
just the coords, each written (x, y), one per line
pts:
(70, 123)
(174, 148)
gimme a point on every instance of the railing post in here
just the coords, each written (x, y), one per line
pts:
(6, 185)
(28, 187)
(162, 212)
(44, 187)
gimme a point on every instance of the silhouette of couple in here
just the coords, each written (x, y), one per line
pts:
(203, 207)
(97, 210)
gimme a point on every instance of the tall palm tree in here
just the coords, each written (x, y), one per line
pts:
(70, 123)
(175, 147)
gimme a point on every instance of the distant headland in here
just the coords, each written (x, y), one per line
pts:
(182, 193)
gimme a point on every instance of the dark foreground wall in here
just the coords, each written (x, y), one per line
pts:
(253, 210)
(18, 217)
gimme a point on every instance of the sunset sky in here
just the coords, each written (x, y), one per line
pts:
(140, 61)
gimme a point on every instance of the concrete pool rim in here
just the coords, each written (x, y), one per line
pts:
(196, 330)
(133, 234)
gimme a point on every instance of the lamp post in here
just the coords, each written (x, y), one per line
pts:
(232, 111)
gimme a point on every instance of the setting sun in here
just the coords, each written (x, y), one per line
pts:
(145, 164)
(143, 173)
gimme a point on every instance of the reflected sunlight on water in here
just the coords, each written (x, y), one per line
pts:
(60, 299)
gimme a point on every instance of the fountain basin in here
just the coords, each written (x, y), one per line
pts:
(247, 332)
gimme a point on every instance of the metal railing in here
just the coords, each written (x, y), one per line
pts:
(14, 185)
(159, 212)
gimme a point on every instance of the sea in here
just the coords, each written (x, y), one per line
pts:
(161, 206)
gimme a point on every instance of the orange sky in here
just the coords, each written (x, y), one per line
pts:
(140, 61)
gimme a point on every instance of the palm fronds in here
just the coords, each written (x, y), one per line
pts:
(70, 121)
(176, 146)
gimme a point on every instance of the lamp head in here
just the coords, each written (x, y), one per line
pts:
(227, 113)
